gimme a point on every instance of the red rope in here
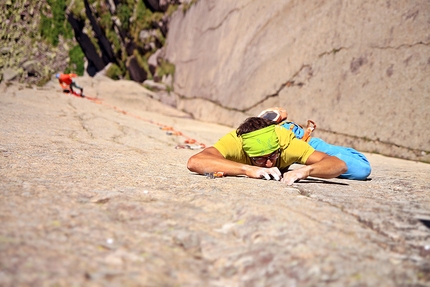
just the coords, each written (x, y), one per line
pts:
(189, 143)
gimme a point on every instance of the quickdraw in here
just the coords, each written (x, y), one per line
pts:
(190, 146)
(213, 175)
(309, 129)
(311, 126)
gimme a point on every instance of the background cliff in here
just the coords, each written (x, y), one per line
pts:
(359, 69)
(121, 37)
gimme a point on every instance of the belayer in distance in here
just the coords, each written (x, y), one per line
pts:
(67, 82)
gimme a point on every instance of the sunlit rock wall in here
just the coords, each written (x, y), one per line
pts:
(359, 69)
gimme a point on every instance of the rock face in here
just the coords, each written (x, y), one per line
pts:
(93, 196)
(361, 70)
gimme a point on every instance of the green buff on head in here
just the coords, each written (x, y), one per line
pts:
(260, 142)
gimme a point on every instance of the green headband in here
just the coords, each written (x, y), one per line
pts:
(260, 142)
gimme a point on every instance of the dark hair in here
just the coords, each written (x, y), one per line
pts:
(252, 124)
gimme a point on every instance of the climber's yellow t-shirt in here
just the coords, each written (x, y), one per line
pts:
(293, 150)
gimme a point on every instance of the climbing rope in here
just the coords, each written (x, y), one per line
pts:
(188, 143)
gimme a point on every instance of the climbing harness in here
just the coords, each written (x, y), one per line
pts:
(311, 126)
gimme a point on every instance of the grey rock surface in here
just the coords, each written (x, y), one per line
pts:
(94, 193)
(360, 70)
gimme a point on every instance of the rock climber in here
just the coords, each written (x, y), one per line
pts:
(260, 148)
(358, 166)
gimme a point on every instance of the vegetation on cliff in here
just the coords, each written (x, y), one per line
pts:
(41, 38)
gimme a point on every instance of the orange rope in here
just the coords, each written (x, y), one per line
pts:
(189, 143)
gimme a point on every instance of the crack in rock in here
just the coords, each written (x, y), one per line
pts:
(402, 46)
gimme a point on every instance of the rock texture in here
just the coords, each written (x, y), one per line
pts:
(94, 193)
(360, 69)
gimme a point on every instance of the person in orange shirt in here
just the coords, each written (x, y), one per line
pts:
(67, 81)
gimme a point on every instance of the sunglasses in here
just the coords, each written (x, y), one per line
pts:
(260, 160)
